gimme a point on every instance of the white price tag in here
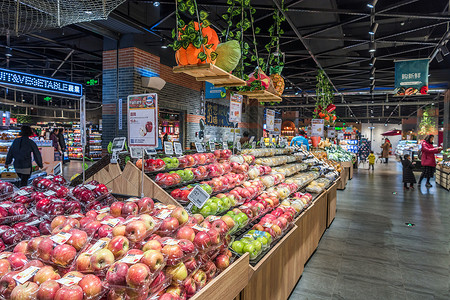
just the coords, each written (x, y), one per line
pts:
(35, 222)
(263, 144)
(102, 210)
(238, 146)
(131, 258)
(163, 214)
(225, 145)
(178, 148)
(199, 228)
(76, 216)
(131, 220)
(170, 242)
(69, 280)
(111, 222)
(90, 186)
(160, 205)
(5, 255)
(22, 193)
(168, 148)
(26, 274)
(97, 246)
(136, 152)
(253, 145)
(151, 151)
(57, 170)
(199, 147)
(61, 237)
(212, 146)
(198, 196)
(49, 193)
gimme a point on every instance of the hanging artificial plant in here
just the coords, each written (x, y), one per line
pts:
(325, 109)
(276, 58)
(194, 42)
(428, 123)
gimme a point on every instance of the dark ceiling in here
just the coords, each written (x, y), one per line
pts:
(328, 34)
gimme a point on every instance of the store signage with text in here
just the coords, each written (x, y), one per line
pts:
(411, 77)
(270, 120)
(235, 108)
(34, 82)
(217, 115)
(143, 120)
(317, 127)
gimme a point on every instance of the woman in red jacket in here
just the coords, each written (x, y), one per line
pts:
(427, 159)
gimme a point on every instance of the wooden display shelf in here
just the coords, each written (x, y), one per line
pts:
(107, 174)
(130, 184)
(331, 200)
(342, 182)
(228, 284)
(262, 96)
(275, 275)
(210, 73)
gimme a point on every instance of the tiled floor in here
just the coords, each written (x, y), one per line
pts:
(73, 167)
(370, 253)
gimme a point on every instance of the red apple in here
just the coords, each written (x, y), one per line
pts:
(5, 267)
(130, 209)
(78, 239)
(153, 259)
(152, 245)
(138, 275)
(173, 252)
(116, 209)
(199, 278)
(63, 255)
(17, 260)
(28, 290)
(202, 240)
(220, 226)
(48, 290)
(222, 262)
(191, 264)
(73, 292)
(136, 231)
(145, 205)
(101, 259)
(7, 284)
(181, 215)
(44, 274)
(91, 286)
(119, 246)
(169, 224)
(186, 233)
(117, 273)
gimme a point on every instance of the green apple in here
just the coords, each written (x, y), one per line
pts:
(252, 232)
(214, 208)
(226, 202)
(257, 244)
(207, 188)
(206, 210)
(264, 241)
(250, 248)
(181, 173)
(242, 219)
(247, 240)
(188, 175)
(168, 162)
(230, 213)
(233, 201)
(174, 162)
(195, 210)
(238, 247)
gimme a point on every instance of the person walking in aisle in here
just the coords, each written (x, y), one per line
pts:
(408, 175)
(55, 144)
(62, 143)
(428, 160)
(386, 147)
(20, 151)
(244, 139)
(371, 159)
(300, 140)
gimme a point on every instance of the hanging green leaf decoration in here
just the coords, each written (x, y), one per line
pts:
(213, 55)
(203, 15)
(182, 7)
(223, 94)
(202, 56)
(184, 44)
(225, 17)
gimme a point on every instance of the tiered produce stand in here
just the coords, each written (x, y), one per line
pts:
(443, 176)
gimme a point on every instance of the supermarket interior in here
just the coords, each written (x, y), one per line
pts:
(224, 149)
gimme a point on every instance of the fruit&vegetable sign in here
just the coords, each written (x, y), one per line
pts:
(217, 115)
(235, 108)
(411, 77)
(143, 120)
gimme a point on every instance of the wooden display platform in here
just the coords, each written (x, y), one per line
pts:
(262, 96)
(130, 184)
(342, 182)
(350, 172)
(331, 200)
(210, 73)
(228, 284)
(443, 177)
(107, 174)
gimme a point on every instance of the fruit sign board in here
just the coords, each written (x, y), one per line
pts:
(143, 120)
(317, 127)
(198, 196)
(235, 108)
(270, 120)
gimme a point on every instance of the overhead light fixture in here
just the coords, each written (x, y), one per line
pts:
(372, 4)
(156, 3)
(372, 77)
(296, 93)
(372, 61)
(444, 50)
(88, 12)
(372, 47)
(439, 57)
(385, 125)
(402, 23)
(373, 28)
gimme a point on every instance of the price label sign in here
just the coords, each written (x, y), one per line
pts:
(136, 152)
(199, 147)
(198, 196)
(168, 148)
(238, 146)
(263, 144)
(151, 151)
(212, 146)
(252, 138)
(253, 145)
(178, 149)
(225, 145)
(57, 170)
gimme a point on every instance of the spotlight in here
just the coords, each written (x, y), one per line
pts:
(385, 125)
(372, 4)
(373, 29)
(444, 50)
(372, 77)
(439, 57)
(372, 61)
(372, 47)
(296, 93)
(156, 3)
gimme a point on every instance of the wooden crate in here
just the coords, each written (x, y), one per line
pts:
(276, 275)
(262, 96)
(331, 203)
(210, 73)
(342, 182)
(228, 284)
(130, 184)
(350, 172)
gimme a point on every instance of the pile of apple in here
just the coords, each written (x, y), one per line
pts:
(181, 194)
(6, 190)
(12, 212)
(277, 221)
(216, 205)
(298, 201)
(14, 233)
(256, 171)
(253, 242)
(223, 154)
(243, 158)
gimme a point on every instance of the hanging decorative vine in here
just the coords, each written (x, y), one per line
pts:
(324, 99)
(194, 42)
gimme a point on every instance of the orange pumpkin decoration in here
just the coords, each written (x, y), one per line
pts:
(334, 118)
(189, 56)
(321, 115)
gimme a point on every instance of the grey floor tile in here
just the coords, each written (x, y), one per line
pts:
(349, 288)
(425, 281)
(314, 286)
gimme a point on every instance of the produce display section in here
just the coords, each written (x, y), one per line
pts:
(443, 175)
(271, 218)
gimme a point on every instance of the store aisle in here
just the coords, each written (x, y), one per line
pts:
(73, 167)
(370, 253)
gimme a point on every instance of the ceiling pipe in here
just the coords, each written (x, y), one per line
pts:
(362, 104)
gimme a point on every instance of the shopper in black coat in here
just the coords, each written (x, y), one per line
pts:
(408, 175)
